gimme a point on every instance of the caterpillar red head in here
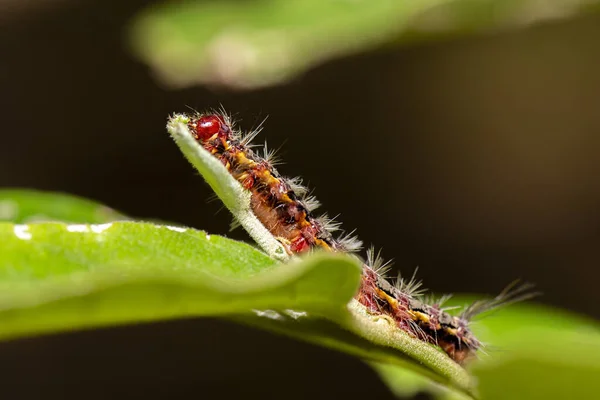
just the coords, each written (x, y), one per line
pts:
(207, 126)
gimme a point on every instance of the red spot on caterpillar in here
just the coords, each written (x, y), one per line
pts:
(248, 182)
(299, 245)
(207, 126)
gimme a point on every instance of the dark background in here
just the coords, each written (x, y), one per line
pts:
(475, 159)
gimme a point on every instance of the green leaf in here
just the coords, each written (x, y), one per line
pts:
(405, 383)
(262, 42)
(56, 277)
(544, 353)
(534, 352)
(26, 205)
(376, 340)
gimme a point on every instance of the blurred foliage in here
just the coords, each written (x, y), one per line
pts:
(56, 277)
(533, 352)
(246, 44)
(538, 353)
(26, 206)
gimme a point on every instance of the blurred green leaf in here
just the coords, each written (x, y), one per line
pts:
(543, 353)
(27, 205)
(534, 352)
(248, 44)
(405, 383)
(56, 277)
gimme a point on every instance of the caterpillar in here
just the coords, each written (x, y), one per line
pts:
(286, 209)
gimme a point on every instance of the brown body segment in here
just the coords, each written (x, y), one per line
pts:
(280, 210)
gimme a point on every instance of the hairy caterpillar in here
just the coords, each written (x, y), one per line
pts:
(285, 208)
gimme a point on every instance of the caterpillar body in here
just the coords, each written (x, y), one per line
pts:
(285, 208)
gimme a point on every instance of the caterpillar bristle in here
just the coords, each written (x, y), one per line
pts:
(413, 287)
(246, 140)
(297, 187)
(440, 301)
(376, 262)
(270, 156)
(514, 292)
(350, 243)
(310, 203)
(329, 224)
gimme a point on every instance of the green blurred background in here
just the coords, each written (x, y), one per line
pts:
(462, 138)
